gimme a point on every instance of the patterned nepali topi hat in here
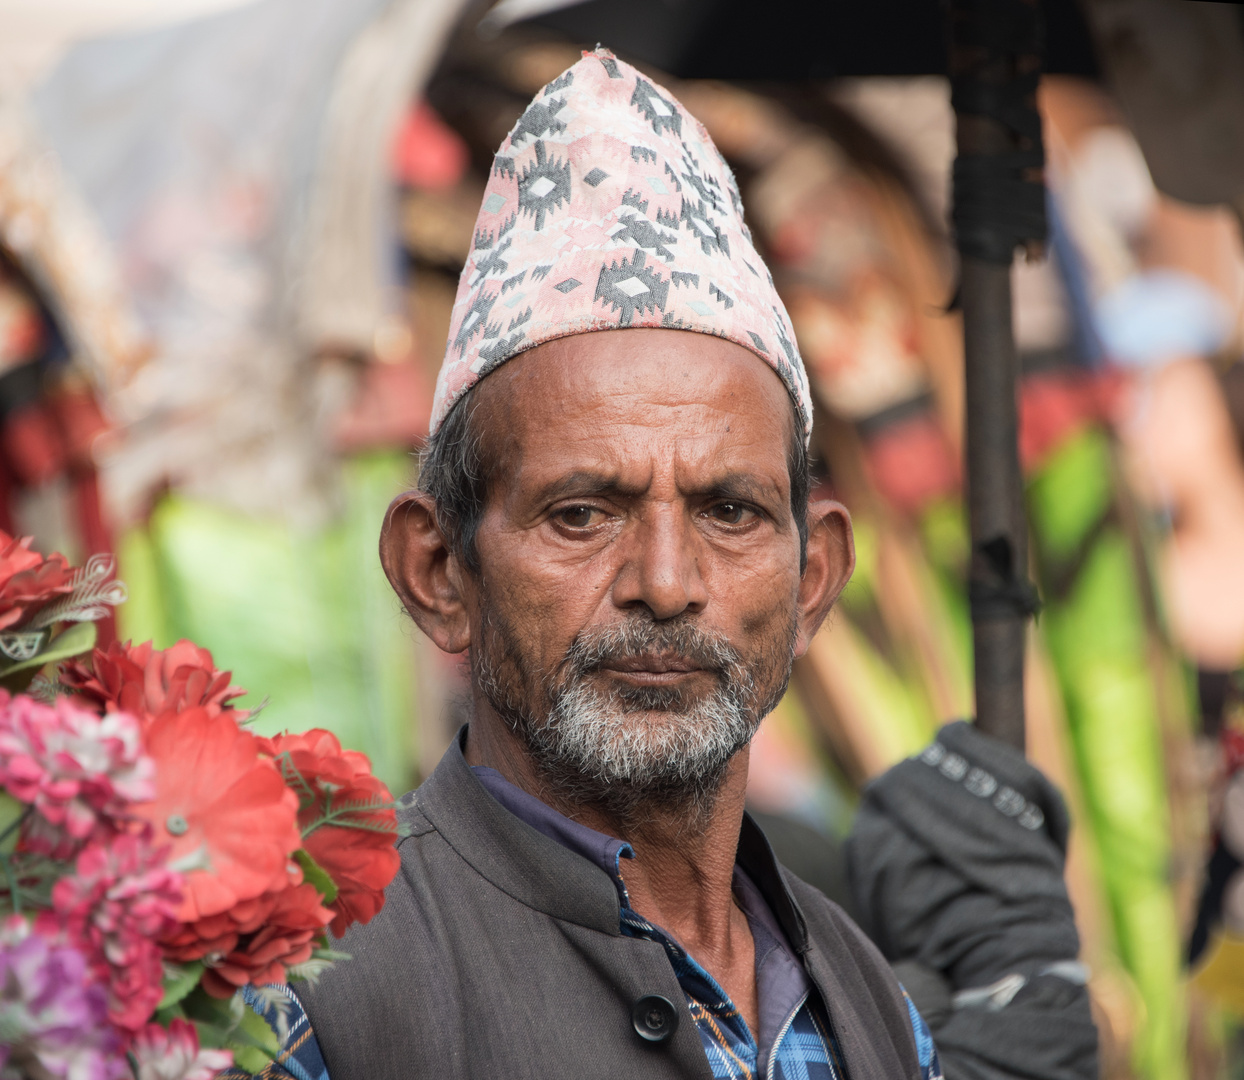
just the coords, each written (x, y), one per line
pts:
(609, 206)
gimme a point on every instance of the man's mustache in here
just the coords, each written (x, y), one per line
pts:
(676, 640)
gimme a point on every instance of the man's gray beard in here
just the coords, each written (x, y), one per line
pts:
(592, 749)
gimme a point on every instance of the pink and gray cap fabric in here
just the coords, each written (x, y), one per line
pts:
(609, 206)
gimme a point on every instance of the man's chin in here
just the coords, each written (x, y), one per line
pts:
(667, 701)
(638, 761)
(661, 789)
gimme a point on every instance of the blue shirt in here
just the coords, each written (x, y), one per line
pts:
(795, 1040)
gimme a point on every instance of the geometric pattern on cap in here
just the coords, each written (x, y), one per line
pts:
(609, 206)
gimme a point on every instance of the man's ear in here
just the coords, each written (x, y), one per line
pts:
(424, 573)
(831, 558)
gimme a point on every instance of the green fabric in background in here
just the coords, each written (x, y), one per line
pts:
(307, 621)
(1101, 647)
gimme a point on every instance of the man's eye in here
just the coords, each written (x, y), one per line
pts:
(730, 513)
(578, 517)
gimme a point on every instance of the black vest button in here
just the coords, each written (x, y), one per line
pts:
(655, 1019)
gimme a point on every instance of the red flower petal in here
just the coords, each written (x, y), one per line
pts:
(218, 800)
(361, 860)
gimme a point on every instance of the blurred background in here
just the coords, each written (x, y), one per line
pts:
(230, 234)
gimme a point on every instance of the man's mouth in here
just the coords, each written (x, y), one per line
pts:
(650, 670)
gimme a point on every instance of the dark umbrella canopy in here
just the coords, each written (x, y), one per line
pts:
(1176, 67)
(798, 39)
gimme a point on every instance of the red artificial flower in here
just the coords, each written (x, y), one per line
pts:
(225, 810)
(28, 581)
(347, 818)
(290, 924)
(152, 683)
(216, 935)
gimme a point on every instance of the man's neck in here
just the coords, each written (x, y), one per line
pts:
(681, 876)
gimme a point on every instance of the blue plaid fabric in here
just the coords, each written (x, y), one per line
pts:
(802, 1046)
(300, 1057)
(805, 1049)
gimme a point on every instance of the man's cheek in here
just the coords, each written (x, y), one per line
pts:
(542, 633)
(761, 622)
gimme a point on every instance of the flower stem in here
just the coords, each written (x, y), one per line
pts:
(14, 889)
(14, 825)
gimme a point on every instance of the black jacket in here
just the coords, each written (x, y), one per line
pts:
(499, 954)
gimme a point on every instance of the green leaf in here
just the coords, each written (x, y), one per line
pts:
(11, 813)
(211, 1037)
(355, 814)
(253, 1042)
(179, 980)
(223, 1014)
(250, 1059)
(164, 1017)
(317, 875)
(79, 638)
(310, 970)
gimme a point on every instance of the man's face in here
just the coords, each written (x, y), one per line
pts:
(635, 613)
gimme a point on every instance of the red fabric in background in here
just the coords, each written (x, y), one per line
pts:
(32, 445)
(426, 153)
(1054, 406)
(80, 422)
(911, 463)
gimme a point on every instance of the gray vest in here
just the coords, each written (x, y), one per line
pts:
(499, 955)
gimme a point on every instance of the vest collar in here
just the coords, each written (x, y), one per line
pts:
(756, 857)
(544, 874)
(520, 861)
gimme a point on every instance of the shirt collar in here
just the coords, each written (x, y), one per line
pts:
(781, 982)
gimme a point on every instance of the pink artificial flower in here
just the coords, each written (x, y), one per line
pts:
(52, 1013)
(116, 905)
(78, 769)
(173, 1053)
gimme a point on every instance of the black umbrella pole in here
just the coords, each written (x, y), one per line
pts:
(995, 502)
(999, 206)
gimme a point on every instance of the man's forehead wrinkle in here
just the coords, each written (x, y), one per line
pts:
(619, 400)
(630, 460)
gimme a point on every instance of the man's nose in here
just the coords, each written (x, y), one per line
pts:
(662, 568)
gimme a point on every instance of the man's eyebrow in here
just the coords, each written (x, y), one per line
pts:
(586, 483)
(739, 485)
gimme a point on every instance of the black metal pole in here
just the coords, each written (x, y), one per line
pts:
(995, 492)
(995, 49)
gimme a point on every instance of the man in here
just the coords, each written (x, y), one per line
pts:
(613, 521)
